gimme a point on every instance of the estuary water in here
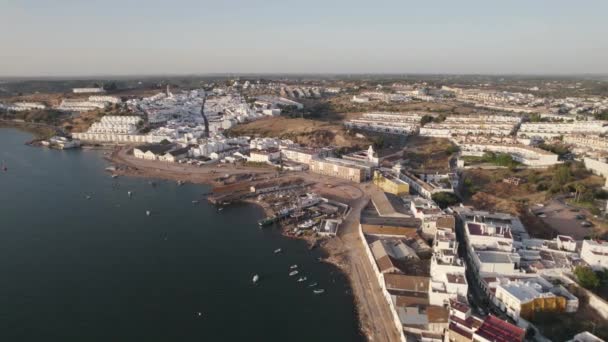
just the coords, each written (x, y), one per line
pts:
(100, 269)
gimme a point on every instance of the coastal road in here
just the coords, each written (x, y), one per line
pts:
(373, 307)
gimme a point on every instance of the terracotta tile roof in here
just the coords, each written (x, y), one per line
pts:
(497, 330)
(407, 283)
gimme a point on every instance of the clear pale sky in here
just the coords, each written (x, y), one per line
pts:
(110, 37)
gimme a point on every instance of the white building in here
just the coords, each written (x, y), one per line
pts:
(174, 156)
(556, 129)
(471, 125)
(521, 298)
(301, 154)
(264, 156)
(105, 98)
(119, 138)
(448, 281)
(88, 90)
(526, 155)
(598, 167)
(595, 253)
(420, 186)
(387, 122)
(25, 106)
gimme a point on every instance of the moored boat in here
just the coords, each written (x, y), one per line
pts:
(292, 273)
(255, 278)
(318, 291)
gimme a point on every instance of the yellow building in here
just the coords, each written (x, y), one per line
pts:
(391, 184)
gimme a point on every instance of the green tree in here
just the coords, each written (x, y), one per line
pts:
(586, 277)
(562, 175)
(452, 149)
(579, 189)
(425, 119)
(445, 199)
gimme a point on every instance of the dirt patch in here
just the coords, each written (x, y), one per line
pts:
(303, 131)
(427, 153)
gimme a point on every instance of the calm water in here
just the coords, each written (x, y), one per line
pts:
(73, 269)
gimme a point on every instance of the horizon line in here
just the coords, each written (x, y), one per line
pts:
(246, 74)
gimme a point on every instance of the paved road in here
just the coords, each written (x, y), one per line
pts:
(372, 305)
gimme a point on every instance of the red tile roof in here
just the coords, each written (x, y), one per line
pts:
(497, 330)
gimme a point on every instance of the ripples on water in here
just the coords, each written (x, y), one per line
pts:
(73, 269)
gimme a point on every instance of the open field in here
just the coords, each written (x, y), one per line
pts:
(311, 132)
(427, 153)
(485, 189)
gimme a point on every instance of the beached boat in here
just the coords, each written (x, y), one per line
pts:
(301, 279)
(255, 278)
(292, 273)
(307, 224)
(318, 291)
(278, 250)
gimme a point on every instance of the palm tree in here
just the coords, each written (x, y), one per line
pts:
(580, 188)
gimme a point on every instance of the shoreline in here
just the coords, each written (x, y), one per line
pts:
(333, 249)
(39, 131)
(339, 251)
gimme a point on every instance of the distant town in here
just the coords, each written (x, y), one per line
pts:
(461, 211)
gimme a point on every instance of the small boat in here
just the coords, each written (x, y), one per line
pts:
(199, 314)
(220, 209)
(307, 224)
(312, 285)
(129, 193)
(277, 251)
(195, 202)
(293, 267)
(292, 273)
(301, 279)
(318, 291)
(255, 278)
(148, 213)
(88, 197)
(114, 176)
(180, 182)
